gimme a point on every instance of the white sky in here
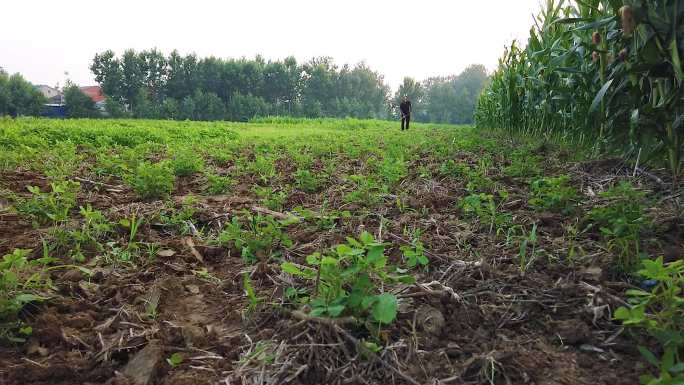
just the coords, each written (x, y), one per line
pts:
(44, 38)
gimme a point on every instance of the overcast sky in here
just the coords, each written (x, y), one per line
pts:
(43, 38)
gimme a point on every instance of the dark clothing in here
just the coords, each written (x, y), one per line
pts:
(405, 108)
(407, 119)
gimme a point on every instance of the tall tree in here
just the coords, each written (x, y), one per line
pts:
(20, 97)
(107, 70)
(78, 104)
(413, 90)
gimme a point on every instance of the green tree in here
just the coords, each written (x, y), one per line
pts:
(107, 70)
(18, 97)
(415, 92)
(241, 108)
(4, 93)
(208, 106)
(170, 109)
(78, 104)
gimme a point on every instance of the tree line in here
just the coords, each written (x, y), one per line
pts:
(151, 85)
(18, 96)
(148, 84)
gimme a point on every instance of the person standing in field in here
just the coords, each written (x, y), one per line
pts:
(405, 109)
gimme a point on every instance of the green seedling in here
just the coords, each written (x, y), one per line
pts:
(621, 221)
(347, 281)
(133, 225)
(186, 162)
(258, 239)
(51, 207)
(20, 282)
(175, 359)
(554, 194)
(152, 181)
(483, 207)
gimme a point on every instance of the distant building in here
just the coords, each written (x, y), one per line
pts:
(96, 95)
(52, 94)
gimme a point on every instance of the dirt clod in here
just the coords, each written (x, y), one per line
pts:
(573, 332)
(142, 368)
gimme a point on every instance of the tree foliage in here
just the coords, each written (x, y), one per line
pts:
(78, 104)
(151, 85)
(18, 97)
(449, 99)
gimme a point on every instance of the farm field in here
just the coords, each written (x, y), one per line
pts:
(317, 251)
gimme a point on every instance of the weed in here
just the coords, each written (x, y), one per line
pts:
(414, 254)
(523, 164)
(307, 181)
(186, 162)
(53, 206)
(424, 172)
(20, 279)
(111, 164)
(347, 279)
(250, 293)
(263, 167)
(175, 359)
(554, 194)
(62, 161)
(365, 190)
(205, 275)
(324, 220)
(528, 250)
(392, 170)
(621, 222)
(181, 219)
(94, 228)
(219, 155)
(660, 312)
(273, 200)
(257, 240)
(218, 184)
(132, 224)
(475, 179)
(152, 181)
(483, 207)
(296, 296)
(454, 169)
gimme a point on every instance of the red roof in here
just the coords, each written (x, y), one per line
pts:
(94, 92)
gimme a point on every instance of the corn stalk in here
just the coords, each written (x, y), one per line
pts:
(602, 73)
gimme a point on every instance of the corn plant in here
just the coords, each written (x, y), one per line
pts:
(605, 74)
